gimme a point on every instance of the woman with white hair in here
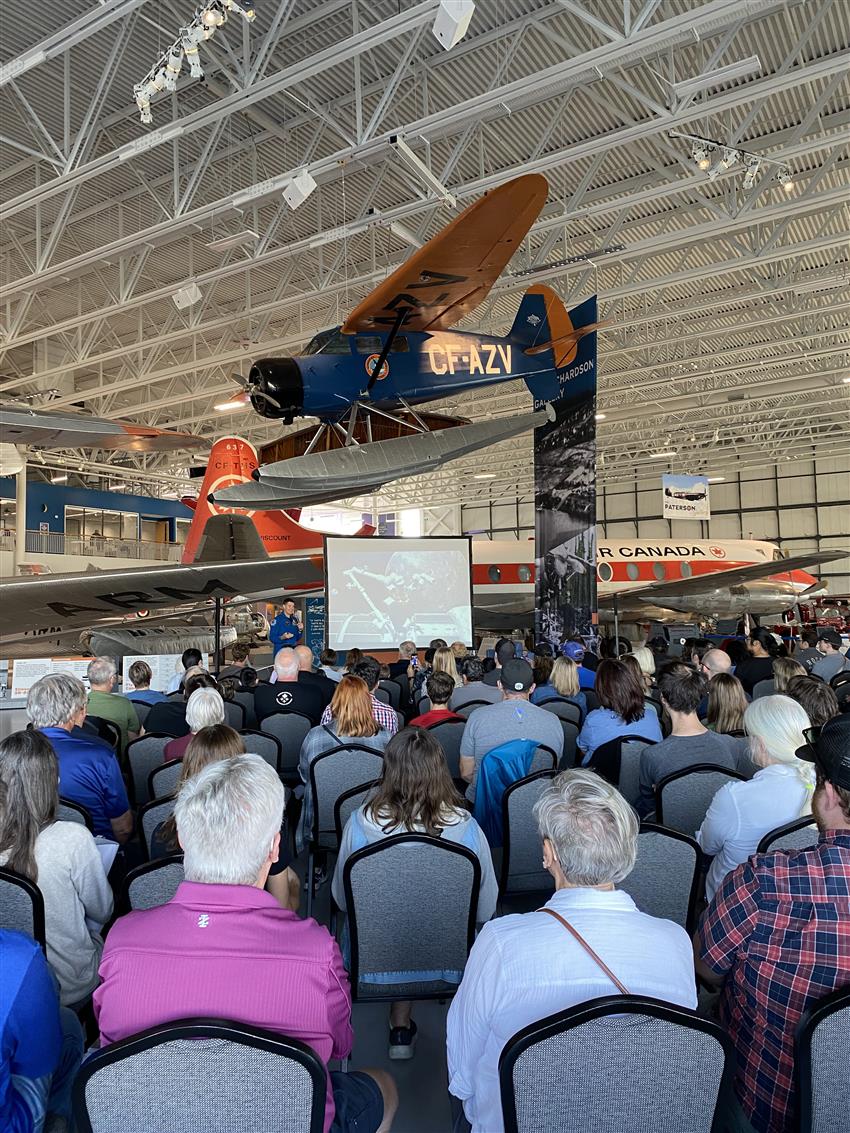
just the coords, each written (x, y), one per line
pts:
(525, 967)
(204, 708)
(742, 813)
(646, 663)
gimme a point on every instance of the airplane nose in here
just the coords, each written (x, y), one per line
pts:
(277, 389)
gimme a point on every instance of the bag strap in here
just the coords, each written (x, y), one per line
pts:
(596, 959)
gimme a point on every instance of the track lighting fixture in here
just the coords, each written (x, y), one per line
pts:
(785, 179)
(752, 165)
(700, 156)
(702, 150)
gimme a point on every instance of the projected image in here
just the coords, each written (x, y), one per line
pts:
(384, 591)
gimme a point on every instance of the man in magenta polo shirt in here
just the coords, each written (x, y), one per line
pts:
(224, 948)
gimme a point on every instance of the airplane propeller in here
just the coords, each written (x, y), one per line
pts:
(251, 391)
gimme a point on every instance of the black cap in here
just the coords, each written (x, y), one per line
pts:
(829, 749)
(830, 635)
(516, 675)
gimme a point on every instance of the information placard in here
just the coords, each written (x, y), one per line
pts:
(162, 665)
(25, 673)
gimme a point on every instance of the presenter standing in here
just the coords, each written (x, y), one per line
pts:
(285, 631)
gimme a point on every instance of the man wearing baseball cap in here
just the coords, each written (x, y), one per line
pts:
(515, 718)
(575, 651)
(832, 661)
(776, 938)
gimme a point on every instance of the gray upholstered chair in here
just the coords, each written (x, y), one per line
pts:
(448, 734)
(665, 879)
(267, 746)
(289, 728)
(821, 1058)
(196, 1074)
(800, 834)
(384, 695)
(563, 708)
(142, 710)
(21, 906)
(348, 803)
(246, 699)
(467, 709)
(683, 798)
(393, 691)
(151, 884)
(145, 754)
(234, 715)
(633, 1063)
(67, 811)
(522, 871)
(150, 816)
(162, 781)
(411, 902)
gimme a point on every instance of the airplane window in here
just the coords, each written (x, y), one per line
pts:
(494, 573)
(328, 342)
(660, 571)
(368, 344)
(685, 568)
(524, 574)
(400, 345)
(633, 572)
(605, 572)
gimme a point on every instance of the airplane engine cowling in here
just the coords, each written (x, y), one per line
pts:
(277, 389)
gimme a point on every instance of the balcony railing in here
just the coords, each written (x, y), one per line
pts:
(95, 546)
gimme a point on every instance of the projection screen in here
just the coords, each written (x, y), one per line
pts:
(383, 591)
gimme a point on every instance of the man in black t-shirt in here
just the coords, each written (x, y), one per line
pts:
(288, 694)
(307, 676)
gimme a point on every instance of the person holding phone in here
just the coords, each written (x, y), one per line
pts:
(406, 659)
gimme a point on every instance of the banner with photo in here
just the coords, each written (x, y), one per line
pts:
(685, 497)
(565, 496)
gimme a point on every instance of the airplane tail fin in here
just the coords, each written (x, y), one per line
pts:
(232, 461)
(564, 340)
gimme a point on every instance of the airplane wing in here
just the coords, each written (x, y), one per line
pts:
(31, 606)
(451, 275)
(722, 579)
(21, 425)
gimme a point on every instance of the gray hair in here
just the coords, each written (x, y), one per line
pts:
(407, 648)
(227, 817)
(591, 827)
(204, 708)
(101, 671)
(286, 663)
(55, 700)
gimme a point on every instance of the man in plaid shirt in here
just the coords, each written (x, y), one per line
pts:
(384, 716)
(776, 937)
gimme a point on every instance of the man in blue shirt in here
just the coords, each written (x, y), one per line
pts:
(576, 652)
(89, 774)
(40, 1047)
(285, 632)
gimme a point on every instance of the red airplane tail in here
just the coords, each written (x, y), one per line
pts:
(232, 460)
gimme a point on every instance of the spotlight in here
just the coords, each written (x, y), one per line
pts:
(700, 156)
(753, 165)
(210, 18)
(193, 58)
(172, 68)
(785, 180)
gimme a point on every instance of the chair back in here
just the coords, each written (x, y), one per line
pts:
(842, 677)
(332, 774)
(570, 730)
(800, 834)
(202, 1074)
(150, 816)
(821, 1058)
(176, 695)
(618, 761)
(234, 715)
(665, 880)
(631, 1063)
(106, 730)
(393, 691)
(411, 902)
(153, 883)
(144, 755)
(448, 734)
(246, 699)
(162, 781)
(423, 705)
(564, 709)
(142, 710)
(22, 906)
(591, 699)
(289, 728)
(265, 673)
(383, 695)
(73, 812)
(764, 688)
(264, 744)
(522, 870)
(403, 687)
(683, 798)
(348, 803)
(467, 709)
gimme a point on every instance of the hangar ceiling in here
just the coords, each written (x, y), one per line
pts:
(727, 308)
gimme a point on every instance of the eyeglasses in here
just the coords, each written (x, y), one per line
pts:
(813, 734)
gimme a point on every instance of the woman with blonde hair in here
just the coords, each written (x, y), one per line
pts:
(727, 703)
(741, 813)
(445, 662)
(646, 663)
(351, 722)
(564, 683)
(785, 669)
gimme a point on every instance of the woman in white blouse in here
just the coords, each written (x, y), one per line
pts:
(60, 857)
(742, 813)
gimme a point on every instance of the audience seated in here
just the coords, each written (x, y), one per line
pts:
(406, 652)
(645, 659)
(727, 703)
(60, 857)
(581, 658)
(689, 742)
(88, 770)
(224, 948)
(807, 652)
(240, 654)
(190, 659)
(369, 671)
(776, 938)
(170, 716)
(287, 693)
(41, 1044)
(736, 651)
(204, 708)
(525, 967)
(109, 705)
(141, 675)
(329, 665)
(542, 670)
(352, 658)
(784, 670)
(503, 652)
(474, 687)
(815, 697)
(564, 685)
(623, 710)
(832, 660)
(416, 796)
(742, 813)
(762, 649)
(308, 676)
(352, 721)
(439, 688)
(445, 661)
(515, 718)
